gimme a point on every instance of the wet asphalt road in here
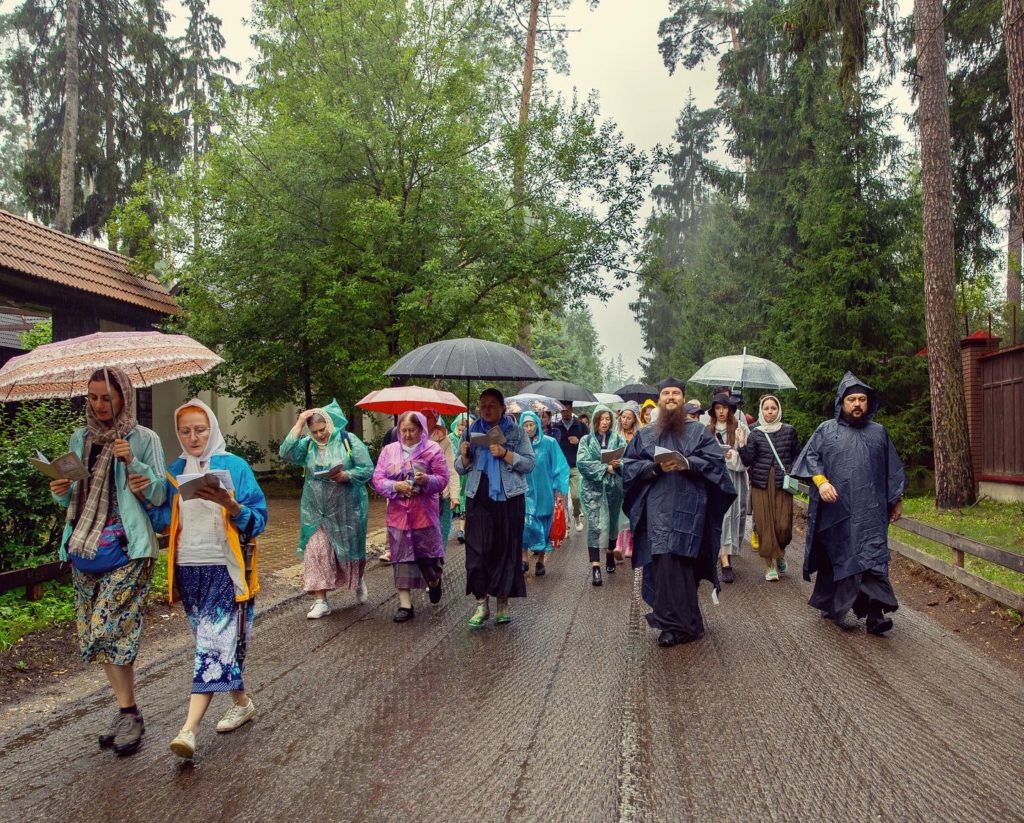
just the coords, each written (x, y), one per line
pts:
(571, 713)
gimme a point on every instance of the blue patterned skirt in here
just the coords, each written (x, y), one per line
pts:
(221, 626)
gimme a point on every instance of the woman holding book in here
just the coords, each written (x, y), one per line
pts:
(731, 436)
(600, 463)
(335, 504)
(211, 564)
(411, 473)
(629, 425)
(109, 541)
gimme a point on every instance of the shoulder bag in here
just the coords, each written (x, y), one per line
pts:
(790, 485)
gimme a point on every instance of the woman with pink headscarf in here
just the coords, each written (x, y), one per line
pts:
(411, 473)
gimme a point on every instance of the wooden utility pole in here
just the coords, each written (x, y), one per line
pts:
(954, 474)
(69, 135)
(1014, 241)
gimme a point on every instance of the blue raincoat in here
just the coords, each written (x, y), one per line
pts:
(550, 474)
(852, 534)
(341, 509)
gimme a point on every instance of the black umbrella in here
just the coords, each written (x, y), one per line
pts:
(637, 392)
(561, 391)
(467, 358)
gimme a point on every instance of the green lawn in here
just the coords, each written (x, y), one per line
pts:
(998, 524)
(19, 617)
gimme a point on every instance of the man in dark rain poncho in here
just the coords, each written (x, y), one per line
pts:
(675, 507)
(858, 489)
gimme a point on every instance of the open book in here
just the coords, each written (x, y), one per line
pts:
(66, 467)
(323, 474)
(608, 455)
(493, 437)
(189, 484)
(663, 455)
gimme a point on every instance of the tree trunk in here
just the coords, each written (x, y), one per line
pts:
(954, 474)
(69, 136)
(1013, 37)
(519, 173)
(1014, 241)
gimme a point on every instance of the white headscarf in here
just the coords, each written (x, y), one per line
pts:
(769, 428)
(215, 445)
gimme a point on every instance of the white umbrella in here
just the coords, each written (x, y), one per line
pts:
(742, 370)
(63, 369)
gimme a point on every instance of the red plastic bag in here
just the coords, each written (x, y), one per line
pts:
(559, 528)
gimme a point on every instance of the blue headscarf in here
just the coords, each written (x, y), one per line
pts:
(486, 462)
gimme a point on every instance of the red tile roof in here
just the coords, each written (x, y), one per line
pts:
(36, 251)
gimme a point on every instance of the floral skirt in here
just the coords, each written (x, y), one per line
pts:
(108, 611)
(321, 569)
(220, 624)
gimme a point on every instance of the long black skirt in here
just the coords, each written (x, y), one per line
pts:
(868, 592)
(494, 545)
(675, 596)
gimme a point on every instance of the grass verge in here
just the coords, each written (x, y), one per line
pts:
(998, 524)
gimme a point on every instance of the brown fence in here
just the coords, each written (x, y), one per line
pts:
(1002, 380)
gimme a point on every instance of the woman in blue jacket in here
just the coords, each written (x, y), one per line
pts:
(211, 566)
(109, 541)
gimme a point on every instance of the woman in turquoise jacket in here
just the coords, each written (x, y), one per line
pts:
(335, 504)
(602, 489)
(549, 481)
(109, 540)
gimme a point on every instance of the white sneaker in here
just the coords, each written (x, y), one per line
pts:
(184, 745)
(236, 716)
(579, 524)
(320, 609)
(362, 594)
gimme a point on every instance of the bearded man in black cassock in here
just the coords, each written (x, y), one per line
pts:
(675, 507)
(858, 490)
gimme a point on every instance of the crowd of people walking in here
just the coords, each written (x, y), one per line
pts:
(664, 485)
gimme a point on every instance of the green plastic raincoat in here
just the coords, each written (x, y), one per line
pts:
(602, 490)
(456, 442)
(341, 509)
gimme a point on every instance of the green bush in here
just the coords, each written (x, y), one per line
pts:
(249, 450)
(30, 521)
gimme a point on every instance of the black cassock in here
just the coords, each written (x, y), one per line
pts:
(676, 520)
(848, 541)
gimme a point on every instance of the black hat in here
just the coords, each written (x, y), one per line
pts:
(671, 383)
(856, 388)
(722, 400)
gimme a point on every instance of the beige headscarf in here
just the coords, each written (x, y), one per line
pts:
(90, 504)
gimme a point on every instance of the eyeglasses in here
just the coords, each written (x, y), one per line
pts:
(198, 431)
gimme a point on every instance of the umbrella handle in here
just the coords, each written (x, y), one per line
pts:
(113, 419)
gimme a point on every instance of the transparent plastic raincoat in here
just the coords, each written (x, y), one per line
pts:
(602, 490)
(550, 474)
(340, 508)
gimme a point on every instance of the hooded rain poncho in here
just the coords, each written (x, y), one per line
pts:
(602, 490)
(550, 475)
(341, 509)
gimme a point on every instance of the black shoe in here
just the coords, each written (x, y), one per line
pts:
(877, 624)
(666, 639)
(129, 735)
(526, 566)
(595, 575)
(540, 571)
(434, 592)
(462, 536)
(846, 622)
(728, 576)
(404, 614)
(609, 563)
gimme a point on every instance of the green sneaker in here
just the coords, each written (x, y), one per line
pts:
(780, 564)
(480, 615)
(771, 574)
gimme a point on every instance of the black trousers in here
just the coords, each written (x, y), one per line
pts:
(675, 596)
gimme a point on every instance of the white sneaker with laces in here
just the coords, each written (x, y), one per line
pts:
(579, 524)
(362, 593)
(320, 609)
(184, 745)
(236, 716)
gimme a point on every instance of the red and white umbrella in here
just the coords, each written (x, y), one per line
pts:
(63, 369)
(400, 399)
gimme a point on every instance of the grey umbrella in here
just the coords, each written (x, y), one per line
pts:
(743, 370)
(467, 358)
(561, 391)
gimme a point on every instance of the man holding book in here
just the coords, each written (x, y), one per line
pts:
(677, 491)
